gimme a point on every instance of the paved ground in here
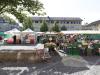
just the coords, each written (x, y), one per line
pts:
(60, 65)
(66, 65)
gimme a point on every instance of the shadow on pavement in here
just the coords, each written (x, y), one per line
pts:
(55, 67)
(92, 60)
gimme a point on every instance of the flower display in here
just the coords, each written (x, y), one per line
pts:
(51, 44)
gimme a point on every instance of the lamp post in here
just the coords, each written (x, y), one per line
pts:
(50, 39)
(48, 23)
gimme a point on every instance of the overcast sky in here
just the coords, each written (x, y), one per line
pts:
(88, 10)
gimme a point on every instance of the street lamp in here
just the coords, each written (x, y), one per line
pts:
(49, 27)
(49, 22)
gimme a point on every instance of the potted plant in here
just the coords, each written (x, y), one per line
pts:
(51, 46)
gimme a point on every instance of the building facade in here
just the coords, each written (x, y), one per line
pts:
(71, 23)
(5, 26)
(92, 26)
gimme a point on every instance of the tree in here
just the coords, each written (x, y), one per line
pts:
(28, 23)
(44, 27)
(63, 28)
(56, 27)
(19, 7)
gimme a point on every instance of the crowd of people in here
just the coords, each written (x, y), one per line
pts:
(75, 44)
(19, 39)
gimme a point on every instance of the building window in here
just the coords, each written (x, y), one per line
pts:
(67, 22)
(36, 21)
(52, 21)
(64, 22)
(74, 22)
(48, 21)
(57, 21)
(79, 22)
(71, 22)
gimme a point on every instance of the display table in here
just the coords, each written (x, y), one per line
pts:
(17, 53)
(21, 48)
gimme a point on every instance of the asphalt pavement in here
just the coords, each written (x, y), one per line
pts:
(58, 65)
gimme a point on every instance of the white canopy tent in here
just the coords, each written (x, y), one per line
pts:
(28, 30)
(13, 31)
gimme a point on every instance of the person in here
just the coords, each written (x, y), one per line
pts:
(14, 37)
(38, 39)
(46, 54)
(81, 50)
(0, 38)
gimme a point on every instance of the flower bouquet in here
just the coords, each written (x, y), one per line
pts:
(49, 45)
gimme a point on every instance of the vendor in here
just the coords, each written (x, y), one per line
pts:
(14, 38)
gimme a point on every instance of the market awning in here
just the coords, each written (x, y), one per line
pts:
(8, 35)
(2, 34)
(15, 30)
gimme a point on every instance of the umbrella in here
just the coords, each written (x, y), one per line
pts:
(10, 40)
(2, 34)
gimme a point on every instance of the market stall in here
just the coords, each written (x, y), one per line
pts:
(81, 42)
(39, 36)
(28, 36)
(11, 36)
(2, 37)
(21, 53)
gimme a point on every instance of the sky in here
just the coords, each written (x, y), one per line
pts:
(88, 10)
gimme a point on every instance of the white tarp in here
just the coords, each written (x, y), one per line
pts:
(40, 33)
(50, 33)
(26, 48)
(81, 32)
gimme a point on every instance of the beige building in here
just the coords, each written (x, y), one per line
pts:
(92, 26)
(71, 23)
(5, 26)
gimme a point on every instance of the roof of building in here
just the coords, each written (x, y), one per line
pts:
(94, 23)
(56, 18)
(2, 20)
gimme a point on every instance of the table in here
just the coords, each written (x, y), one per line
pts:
(20, 52)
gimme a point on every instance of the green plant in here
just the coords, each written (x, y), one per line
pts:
(50, 45)
(44, 27)
(56, 27)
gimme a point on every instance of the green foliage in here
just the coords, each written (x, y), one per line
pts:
(44, 27)
(56, 27)
(63, 28)
(28, 23)
(17, 7)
